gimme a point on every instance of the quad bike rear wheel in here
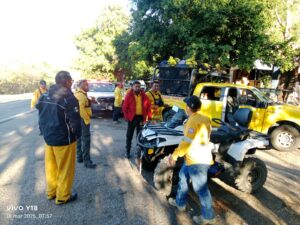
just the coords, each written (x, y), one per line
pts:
(252, 175)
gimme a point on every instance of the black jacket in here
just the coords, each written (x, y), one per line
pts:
(59, 118)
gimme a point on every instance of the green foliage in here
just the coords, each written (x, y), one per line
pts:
(225, 32)
(285, 33)
(25, 78)
(97, 58)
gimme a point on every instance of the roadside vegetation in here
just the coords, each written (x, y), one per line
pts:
(23, 78)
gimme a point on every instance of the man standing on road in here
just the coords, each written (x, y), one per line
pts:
(157, 103)
(84, 142)
(196, 151)
(136, 109)
(37, 93)
(59, 122)
(118, 102)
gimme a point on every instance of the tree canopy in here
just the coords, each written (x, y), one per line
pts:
(97, 58)
(225, 32)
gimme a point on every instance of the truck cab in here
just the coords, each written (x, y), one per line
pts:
(280, 121)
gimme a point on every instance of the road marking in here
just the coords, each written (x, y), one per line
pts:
(16, 116)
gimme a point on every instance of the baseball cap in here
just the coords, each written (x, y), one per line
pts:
(193, 102)
(42, 82)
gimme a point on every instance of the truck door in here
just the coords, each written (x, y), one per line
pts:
(248, 99)
(212, 104)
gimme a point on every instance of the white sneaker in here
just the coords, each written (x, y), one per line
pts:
(202, 221)
(172, 202)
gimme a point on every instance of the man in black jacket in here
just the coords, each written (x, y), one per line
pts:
(59, 122)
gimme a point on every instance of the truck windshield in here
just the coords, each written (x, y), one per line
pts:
(101, 87)
(174, 81)
(262, 96)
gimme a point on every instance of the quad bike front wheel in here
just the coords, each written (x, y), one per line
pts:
(165, 177)
(252, 175)
(148, 164)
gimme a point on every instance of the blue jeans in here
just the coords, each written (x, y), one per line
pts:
(198, 175)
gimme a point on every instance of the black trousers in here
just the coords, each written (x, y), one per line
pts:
(116, 113)
(137, 123)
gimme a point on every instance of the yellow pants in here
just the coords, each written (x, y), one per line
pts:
(60, 170)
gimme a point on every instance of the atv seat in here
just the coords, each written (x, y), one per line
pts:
(228, 133)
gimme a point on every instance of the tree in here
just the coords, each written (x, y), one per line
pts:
(285, 33)
(97, 58)
(229, 32)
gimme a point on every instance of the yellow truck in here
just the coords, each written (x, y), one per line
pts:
(280, 121)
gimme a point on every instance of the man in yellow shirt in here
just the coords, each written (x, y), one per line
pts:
(196, 150)
(118, 102)
(157, 103)
(84, 142)
(37, 93)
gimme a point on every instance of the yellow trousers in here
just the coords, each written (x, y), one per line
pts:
(60, 170)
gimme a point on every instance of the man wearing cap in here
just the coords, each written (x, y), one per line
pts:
(157, 103)
(136, 109)
(37, 93)
(118, 102)
(196, 150)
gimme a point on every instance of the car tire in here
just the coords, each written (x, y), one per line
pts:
(251, 176)
(285, 138)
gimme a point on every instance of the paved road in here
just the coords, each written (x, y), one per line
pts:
(115, 193)
(13, 105)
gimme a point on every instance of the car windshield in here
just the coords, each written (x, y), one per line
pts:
(101, 87)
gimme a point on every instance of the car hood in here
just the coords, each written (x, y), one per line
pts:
(100, 94)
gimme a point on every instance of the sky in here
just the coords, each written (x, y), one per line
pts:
(34, 31)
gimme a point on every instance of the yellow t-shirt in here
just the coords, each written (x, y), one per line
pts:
(118, 97)
(138, 104)
(84, 106)
(36, 95)
(195, 146)
(155, 110)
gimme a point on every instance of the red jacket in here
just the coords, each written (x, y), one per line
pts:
(129, 108)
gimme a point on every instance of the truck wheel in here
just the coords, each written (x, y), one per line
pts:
(165, 177)
(252, 175)
(285, 138)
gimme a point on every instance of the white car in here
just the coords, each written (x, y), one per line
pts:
(103, 92)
